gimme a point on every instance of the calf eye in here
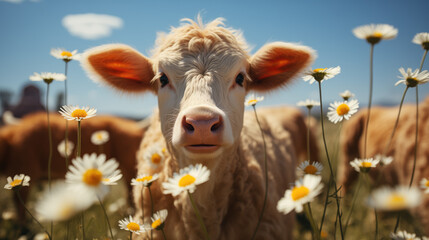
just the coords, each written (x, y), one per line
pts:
(164, 80)
(239, 79)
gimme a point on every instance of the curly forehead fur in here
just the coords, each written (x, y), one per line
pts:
(195, 37)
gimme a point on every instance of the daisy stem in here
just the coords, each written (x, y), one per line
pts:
(50, 147)
(151, 205)
(28, 211)
(308, 134)
(355, 195)
(423, 60)
(131, 235)
(266, 175)
(416, 136)
(197, 212)
(78, 139)
(376, 224)
(371, 60)
(82, 219)
(396, 123)
(315, 232)
(107, 218)
(332, 176)
(163, 234)
(142, 204)
(325, 205)
(67, 122)
(397, 223)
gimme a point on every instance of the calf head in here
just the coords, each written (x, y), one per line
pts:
(201, 74)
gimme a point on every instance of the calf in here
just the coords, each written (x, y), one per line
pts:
(201, 74)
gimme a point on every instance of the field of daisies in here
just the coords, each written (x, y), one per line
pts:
(91, 201)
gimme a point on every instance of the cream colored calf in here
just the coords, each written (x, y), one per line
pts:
(201, 74)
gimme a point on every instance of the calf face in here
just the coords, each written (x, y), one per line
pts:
(201, 75)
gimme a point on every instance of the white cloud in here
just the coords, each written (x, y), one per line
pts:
(91, 26)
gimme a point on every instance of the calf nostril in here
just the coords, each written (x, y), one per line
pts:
(187, 125)
(216, 125)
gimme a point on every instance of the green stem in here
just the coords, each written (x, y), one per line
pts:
(315, 231)
(78, 139)
(355, 195)
(396, 122)
(131, 235)
(50, 147)
(107, 217)
(308, 134)
(163, 234)
(326, 204)
(197, 212)
(82, 220)
(329, 163)
(266, 175)
(151, 205)
(371, 59)
(423, 60)
(397, 222)
(28, 211)
(67, 122)
(376, 224)
(416, 136)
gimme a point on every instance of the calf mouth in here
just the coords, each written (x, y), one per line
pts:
(202, 148)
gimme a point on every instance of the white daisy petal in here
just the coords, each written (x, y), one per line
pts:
(132, 225)
(18, 181)
(186, 180)
(76, 113)
(364, 165)
(395, 199)
(374, 33)
(340, 110)
(61, 53)
(252, 100)
(412, 78)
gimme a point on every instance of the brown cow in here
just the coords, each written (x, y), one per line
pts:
(24, 148)
(381, 124)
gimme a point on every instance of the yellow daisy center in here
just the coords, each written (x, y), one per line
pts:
(66, 54)
(252, 101)
(147, 178)
(155, 158)
(156, 223)
(164, 150)
(100, 136)
(16, 182)
(319, 69)
(186, 180)
(133, 226)
(396, 201)
(343, 109)
(427, 183)
(92, 177)
(79, 113)
(377, 35)
(299, 192)
(310, 169)
(366, 164)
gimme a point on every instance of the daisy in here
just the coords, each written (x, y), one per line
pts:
(158, 219)
(144, 179)
(131, 225)
(412, 78)
(62, 148)
(186, 180)
(422, 39)
(304, 191)
(63, 202)
(374, 33)
(399, 198)
(155, 156)
(308, 103)
(18, 180)
(252, 100)
(342, 110)
(424, 184)
(364, 165)
(94, 172)
(384, 159)
(100, 137)
(320, 74)
(314, 168)
(346, 95)
(47, 77)
(404, 235)
(65, 55)
(76, 113)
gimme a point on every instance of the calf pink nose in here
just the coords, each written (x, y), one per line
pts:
(202, 125)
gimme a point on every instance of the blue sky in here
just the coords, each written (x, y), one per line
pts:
(30, 28)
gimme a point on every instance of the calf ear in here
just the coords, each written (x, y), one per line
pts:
(275, 64)
(120, 67)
